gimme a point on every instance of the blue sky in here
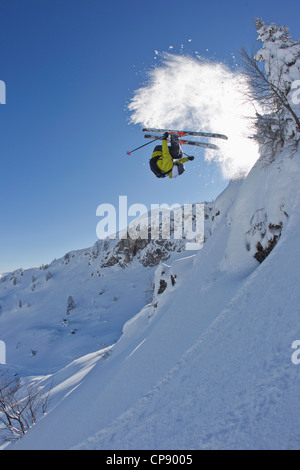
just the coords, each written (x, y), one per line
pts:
(70, 68)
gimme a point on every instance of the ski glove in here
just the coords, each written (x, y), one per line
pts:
(191, 158)
(166, 135)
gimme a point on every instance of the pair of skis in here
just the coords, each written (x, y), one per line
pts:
(187, 133)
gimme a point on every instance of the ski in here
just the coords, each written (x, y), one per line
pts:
(188, 133)
(188, 142)
(199, 144)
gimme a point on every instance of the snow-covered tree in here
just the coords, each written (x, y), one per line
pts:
(273, 72)
(71, 304)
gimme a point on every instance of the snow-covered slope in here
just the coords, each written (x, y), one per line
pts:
(207, 364)
(54, 314)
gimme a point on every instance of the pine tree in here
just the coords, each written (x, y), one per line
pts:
(272, 72)
(281, 56)
(71, 304)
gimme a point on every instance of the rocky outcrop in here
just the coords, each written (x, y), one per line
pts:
(147, 252)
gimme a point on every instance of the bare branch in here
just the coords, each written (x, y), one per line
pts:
(19, 407)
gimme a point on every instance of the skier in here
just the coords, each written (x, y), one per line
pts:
(168, 161)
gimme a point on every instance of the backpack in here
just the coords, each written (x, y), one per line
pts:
(156, 170)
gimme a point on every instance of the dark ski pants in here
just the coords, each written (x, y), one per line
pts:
(174, 148)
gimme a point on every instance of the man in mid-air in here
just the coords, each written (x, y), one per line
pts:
(168, 161)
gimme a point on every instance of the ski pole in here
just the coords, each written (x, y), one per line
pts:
(186, 154)
(158, 138)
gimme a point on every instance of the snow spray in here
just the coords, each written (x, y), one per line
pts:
(184, 92)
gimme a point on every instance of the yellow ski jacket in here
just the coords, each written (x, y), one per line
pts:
(166, 162)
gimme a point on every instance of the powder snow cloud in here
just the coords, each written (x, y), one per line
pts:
(193, 94)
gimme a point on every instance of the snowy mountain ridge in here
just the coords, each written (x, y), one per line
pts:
(145, 345)
(207, 363)
(79, 303)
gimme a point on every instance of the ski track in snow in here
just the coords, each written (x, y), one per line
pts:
(266, 381)
(252, 403)
(210, 366)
